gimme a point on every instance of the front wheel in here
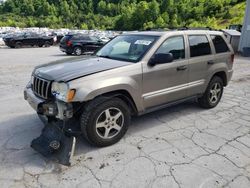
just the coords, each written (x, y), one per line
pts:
(105, 121)
(213, 93)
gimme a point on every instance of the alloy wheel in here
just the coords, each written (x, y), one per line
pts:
(109, 123)
(215, 93)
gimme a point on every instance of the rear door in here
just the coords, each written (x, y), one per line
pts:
(200, 58)
(164, 83)
(223, 54)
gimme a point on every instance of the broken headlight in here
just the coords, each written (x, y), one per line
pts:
(62, 91)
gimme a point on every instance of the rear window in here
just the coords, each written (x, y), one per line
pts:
(199, 45)
(219, 44)
(66, 38)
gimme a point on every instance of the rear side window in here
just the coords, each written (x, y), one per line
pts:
(219, 44)
(199, 45)
(174, 45)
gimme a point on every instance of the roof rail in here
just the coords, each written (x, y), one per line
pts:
(182, 29)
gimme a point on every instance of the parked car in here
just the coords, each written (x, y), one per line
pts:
(133, 74)
(78, 44)
(28, 39)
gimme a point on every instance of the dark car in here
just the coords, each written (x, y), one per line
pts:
(28, 39)
(78, 44)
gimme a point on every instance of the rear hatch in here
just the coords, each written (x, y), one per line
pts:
(65, 41)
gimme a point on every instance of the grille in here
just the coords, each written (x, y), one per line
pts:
(41, 87)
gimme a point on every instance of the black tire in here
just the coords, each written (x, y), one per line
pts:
(40, 45)
(18, 45)
(47, 44)
(78, 51)
(94, 111)
(208, 98)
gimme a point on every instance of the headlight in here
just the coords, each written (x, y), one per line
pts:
(32, 79)
(62, 92)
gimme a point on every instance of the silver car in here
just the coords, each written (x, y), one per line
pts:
(133, 74)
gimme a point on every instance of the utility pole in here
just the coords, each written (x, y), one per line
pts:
(245, 35)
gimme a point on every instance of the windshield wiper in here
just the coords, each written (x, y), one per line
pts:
(104, 56)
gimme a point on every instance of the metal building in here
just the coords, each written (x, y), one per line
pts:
(245, 35)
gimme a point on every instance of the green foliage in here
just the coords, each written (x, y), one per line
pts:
(121, 14)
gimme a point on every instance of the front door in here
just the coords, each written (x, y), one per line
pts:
(164, 83)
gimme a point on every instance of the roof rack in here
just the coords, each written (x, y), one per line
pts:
(182, 29)
(192, 28)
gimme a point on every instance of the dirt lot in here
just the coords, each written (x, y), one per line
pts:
(182, 146)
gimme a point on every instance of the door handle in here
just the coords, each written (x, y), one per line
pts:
(181, 68)
(210, 62)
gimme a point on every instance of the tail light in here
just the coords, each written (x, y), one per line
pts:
(232, 58)
(69, 43)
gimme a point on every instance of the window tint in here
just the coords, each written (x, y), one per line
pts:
(199, 45)
(219, 44)
(174, 45)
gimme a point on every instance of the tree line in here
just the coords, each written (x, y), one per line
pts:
(115, 14)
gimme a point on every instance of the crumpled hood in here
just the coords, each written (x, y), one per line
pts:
(70, 70)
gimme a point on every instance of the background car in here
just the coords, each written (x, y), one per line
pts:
(28, 39)
(78, 44)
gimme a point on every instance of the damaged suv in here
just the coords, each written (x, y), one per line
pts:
(133, 74)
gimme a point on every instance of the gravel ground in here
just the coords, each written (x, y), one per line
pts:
(182, 146)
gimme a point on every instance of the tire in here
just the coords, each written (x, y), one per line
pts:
(110, 130)
(213, 93)
(40, 45)
(47, 44)
(78, 51)
(18, 45)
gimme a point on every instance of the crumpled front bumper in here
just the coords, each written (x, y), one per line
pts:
(57, 109)
(54, 144)
(57, 140)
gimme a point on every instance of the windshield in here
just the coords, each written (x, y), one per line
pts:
(127, 47)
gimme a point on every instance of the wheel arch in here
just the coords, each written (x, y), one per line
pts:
(222, 75)
(125, 96)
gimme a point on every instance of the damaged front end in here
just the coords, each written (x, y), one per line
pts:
(54, 144)
(58, 138)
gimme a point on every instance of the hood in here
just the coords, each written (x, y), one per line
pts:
(70, 70)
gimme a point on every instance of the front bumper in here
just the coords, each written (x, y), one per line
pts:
(57, 109)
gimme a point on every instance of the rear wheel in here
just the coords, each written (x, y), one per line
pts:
(47, 44)
(213, 93)
(18, 45)
(105, 121)
(78, 51)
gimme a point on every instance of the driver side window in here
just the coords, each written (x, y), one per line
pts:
(173, 45)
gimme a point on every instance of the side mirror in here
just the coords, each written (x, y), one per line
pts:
(161, 59)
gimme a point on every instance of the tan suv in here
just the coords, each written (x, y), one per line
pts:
(133, 74)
